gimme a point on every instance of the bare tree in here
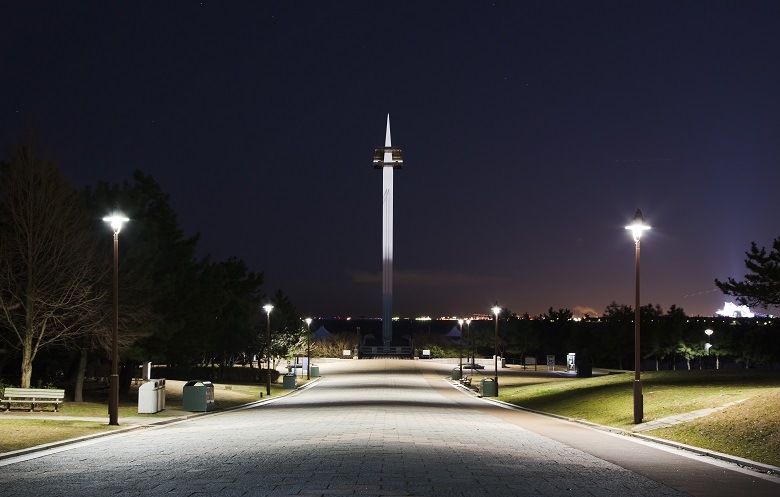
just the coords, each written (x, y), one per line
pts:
(50, 283)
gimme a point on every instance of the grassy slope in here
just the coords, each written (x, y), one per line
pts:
(750, 429)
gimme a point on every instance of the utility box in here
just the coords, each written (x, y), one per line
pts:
(198, 396)
(150, 395)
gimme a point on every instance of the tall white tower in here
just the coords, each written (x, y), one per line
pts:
(387, 159)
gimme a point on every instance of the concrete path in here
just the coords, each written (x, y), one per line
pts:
(393, 428)
(681, 418)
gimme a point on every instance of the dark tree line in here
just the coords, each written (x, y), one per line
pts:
(56, 270)
(669, 340)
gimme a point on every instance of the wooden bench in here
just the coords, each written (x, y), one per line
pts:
(32, 396)
(466, 381)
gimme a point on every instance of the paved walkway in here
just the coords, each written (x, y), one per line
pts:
(681, 418)
(396, 428)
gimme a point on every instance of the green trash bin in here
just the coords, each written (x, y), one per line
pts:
(197, 398)
(315, 371)
(488, 387)
(289, 382)
(456, 374)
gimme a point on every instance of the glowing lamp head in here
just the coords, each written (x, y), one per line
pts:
(460, 322)
(638, 225)
(308, 321)
(708, 332)
(468, 322)
(116, 220)
(496, 310)
(268, 308)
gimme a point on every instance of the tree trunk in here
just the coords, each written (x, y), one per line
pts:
(78, 392)
(27, 360)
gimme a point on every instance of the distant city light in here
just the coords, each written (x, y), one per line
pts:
(731, 310)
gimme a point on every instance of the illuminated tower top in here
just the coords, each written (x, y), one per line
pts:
(388, 156)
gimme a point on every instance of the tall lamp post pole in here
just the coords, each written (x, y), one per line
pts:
(268, 308)
(637, 227)
(460, 348)
(116, 221)
(708, 345)
(468, 333)
(308, 348)
(496, 310)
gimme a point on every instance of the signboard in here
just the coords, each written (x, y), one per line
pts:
(550, 363)
(346, 352)
(426, 353)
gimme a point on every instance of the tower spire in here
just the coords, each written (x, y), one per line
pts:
(387, 133)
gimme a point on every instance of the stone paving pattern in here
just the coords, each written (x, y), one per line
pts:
(390, 430)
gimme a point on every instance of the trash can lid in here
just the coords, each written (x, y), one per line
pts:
(195, 382)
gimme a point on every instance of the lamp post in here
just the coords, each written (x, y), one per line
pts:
(708, 345)
(496, 310)
(308, 348)
(460, 348)
(468, 333)
(268, 308)
(637, 227)
(116, 221)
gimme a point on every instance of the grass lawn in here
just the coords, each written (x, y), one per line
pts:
(16, 432)
(749, 429)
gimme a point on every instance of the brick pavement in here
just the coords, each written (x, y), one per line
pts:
(390, 429)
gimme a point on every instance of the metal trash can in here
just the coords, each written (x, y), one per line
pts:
(149, 397)
(315, 371)
(456, 374)
(289, 382)
(198, 398)
(161, 394)
(488, 387)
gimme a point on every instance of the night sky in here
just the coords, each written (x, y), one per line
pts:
(531, 132)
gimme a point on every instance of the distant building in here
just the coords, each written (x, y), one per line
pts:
(731, 310)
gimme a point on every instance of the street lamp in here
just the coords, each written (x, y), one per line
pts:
(308, 348)
(708, 345)
(115, 220)
(268, 308)
(637, 227)
(468, 333)
(496, 310)
(460, 348)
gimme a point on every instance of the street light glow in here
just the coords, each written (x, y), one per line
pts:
(116, 221)
(638, 225)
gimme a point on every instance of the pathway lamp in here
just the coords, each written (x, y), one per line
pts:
(637, 226)
(496, 310)
(268, 308)
(708, 345)
(115, 220)
(460, 348)
(468, 333)
(308, 348)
